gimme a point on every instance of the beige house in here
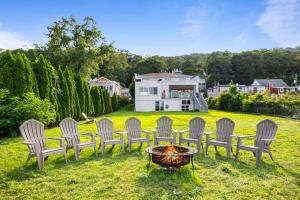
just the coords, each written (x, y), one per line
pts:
(111, 86)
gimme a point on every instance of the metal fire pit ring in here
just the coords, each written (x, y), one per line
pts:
(160, 155)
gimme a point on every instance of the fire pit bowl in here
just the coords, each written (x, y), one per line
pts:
(171, 156)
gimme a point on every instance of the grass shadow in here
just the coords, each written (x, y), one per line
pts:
(181, 183)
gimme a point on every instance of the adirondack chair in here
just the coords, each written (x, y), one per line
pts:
(88, 119)
(106, 132)
(33, 135)
(164, 131)
(224, 135)
(134, 131)
(69, 129)
(265, 135)
(196, 129)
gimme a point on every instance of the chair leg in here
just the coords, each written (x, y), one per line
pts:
(148, 143)
(258, 158)
(129, 146)
(103, 148)
(270, 154)
(206, 148)
(40, 160)
(123, 146)
(237, 153)
(216, 148)
(199, 148)
(77, 151)
(65, 156)
(228, 152)
(95, 149)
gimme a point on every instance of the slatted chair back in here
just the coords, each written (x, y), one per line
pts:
(33, 131)
(196, 126)
(105, 128)
(164, 126)
(133, 127)
(266, 129)
(225, 127)
(69, 128)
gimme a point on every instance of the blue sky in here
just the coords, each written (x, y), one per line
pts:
(161, 27)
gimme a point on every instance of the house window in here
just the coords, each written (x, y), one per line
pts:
(156, 105)
(148, 90)
(110, 88)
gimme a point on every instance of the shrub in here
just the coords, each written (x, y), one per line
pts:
(15, 110)
(123, 101)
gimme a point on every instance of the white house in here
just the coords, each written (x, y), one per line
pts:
(218, 89)
(111, 86)
(169, 92)
(125, 92)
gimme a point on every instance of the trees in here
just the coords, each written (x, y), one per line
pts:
(150, 65)
(219, 68)
(74, 106)
(132, 89)
(75, 45)
(114, 102)
(16, 74)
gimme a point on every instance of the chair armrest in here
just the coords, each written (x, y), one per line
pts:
(233, 135)
(28, 143)
(121, 132)
(146, 131)
(268, 140)
(183, 131)
(208, 133)
(87, 133)
(69, 137)
(55, 138)
(154, 130)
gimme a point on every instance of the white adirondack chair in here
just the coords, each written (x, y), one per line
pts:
(134, 131)
(88, 119)
(196, 131)
(106, 132)
(69, 129)
(265, 134)
(164, 131)
(224, 133)
(33, 135)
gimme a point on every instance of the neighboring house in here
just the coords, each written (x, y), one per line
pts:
(275, 86)
(218, 89)
(125, 93)
(169, 92)
(111, 86)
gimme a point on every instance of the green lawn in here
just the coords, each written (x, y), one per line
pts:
(119, 175)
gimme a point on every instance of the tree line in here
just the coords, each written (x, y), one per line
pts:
(64, 92)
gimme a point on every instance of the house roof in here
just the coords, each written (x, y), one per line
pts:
(164, 75)
(274, 82)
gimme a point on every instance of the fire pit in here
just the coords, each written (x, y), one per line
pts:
(171, 156)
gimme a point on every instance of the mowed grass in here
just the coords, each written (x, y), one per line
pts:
(117, 175)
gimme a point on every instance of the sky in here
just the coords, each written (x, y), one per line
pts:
(160, 27)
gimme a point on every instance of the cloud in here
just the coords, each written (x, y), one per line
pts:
(12, 40)
(194, 21)
(281, 22)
